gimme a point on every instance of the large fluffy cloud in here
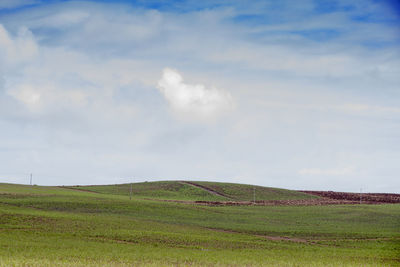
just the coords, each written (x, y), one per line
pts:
(193, 100)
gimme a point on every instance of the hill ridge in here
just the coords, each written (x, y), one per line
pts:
(198, 191)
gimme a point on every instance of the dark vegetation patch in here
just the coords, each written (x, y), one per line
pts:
(21, 196)
(182, 241)
(22, 221)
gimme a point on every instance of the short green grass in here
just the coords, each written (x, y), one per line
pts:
(180, 191)
(244, 192)
(171, 190)
(51, 226)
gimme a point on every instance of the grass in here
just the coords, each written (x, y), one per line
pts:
(172, 190)
(243, 192)
(180, 191)
(51, 226)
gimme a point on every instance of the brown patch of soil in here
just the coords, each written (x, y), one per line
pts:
(298, 202)
(364, 198)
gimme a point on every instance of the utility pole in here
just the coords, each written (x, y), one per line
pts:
(130, 193)
(31, 180)
(360, 196)
(254, 195)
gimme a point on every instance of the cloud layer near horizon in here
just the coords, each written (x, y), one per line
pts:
(311, 95)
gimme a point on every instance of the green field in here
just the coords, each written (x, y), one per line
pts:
(59, 226)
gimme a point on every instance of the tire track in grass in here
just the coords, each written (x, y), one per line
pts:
(205, 188)
(302, 240)
(272, 238)
(78, 189)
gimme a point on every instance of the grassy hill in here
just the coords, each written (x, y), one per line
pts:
(208, 191)
(53, 226)
(244, 192)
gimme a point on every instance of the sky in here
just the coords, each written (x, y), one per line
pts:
(291, 94)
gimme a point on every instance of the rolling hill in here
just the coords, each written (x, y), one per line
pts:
(198, 191)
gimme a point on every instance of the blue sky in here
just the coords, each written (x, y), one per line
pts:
(292, 94)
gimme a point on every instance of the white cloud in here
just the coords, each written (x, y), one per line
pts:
(193, 100)
(46, 80)
(19, 49)
(27, 94)
(46, 96)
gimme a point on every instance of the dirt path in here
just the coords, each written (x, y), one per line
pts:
(297, 202)
(209, 190)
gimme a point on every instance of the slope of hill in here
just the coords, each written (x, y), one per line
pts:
(201, 191)
(245, 192)
(173, 190)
